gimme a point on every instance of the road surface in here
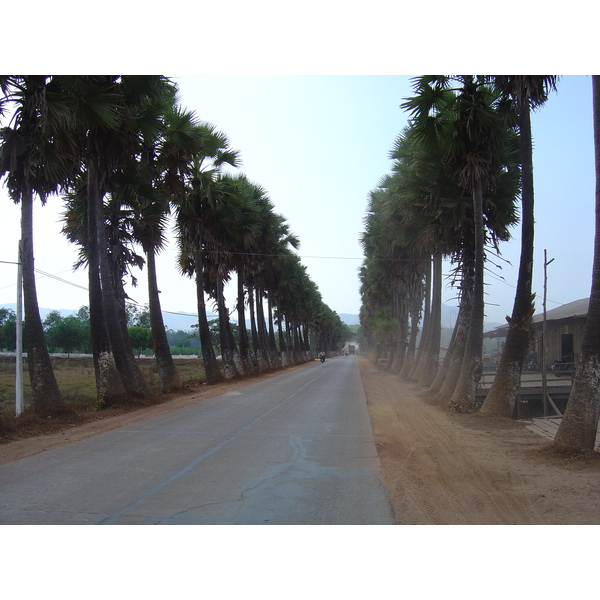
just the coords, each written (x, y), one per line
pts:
(294, 449)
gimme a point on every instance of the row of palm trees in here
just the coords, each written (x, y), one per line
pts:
(458, 171)
(128, 159)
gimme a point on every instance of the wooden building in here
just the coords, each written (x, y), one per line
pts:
(564, 333)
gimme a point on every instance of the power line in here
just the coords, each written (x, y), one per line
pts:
(60, 279)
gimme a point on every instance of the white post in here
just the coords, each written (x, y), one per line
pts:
(19, 339)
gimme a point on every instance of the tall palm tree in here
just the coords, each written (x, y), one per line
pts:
(577, 431)
(136, 214)
(220, 218)
(107, 110)
(150, 233)
(164, 159)
(276, 245)
(36, 156)
(244, 241)
(393, 272)
(470, 126)
(417, 190)
(95, 103)
(197, 199)
(527, 92)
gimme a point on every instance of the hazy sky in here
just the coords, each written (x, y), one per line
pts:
(318, 145)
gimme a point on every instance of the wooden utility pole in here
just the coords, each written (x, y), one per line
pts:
(544, 381)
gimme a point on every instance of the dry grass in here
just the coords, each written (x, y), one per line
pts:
(75, 378)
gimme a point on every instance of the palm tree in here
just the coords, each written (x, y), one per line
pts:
(150, 233)
(527, 92)
(276, 243)
(164, 158)
(136, 213)
(95, 103)
(577, 431)
(265, 249)
(393, 273)
(196, 236)
(35, 157)
(107, 110)
(417, 190)
(219, 220)
(290, 274)
(470, 127)
(244, 241)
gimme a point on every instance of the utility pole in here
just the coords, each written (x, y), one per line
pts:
(19, 339)
(544, 381)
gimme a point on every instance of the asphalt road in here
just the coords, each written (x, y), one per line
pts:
(294, 449)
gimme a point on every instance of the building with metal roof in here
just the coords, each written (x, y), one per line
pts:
(564, 332)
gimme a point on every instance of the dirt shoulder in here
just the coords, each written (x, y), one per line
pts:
(441, 467)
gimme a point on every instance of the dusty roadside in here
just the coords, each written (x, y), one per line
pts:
(441, 467)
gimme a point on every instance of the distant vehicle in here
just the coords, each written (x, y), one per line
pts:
(351, 349)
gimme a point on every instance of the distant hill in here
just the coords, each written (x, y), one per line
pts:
(349, 319)
(184, 321)
(43, 311)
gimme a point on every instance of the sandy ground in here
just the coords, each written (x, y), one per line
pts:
(438, 467)
(441, 467)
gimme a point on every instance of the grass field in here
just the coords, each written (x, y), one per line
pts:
(75, 378)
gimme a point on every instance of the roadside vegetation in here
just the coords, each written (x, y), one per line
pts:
(75, 377)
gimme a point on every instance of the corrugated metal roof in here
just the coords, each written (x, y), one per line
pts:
(577, 308)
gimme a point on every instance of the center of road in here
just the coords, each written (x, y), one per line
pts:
(199, 459)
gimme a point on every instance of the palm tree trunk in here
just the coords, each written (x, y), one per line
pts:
(131, 376)
(285, 361)
(412, 342)
(275, 359)
(168, 376)
(211, 365)
(435, 387)
(463, 398)
(401, 313)
(244, 342)
(306, 342)
(46, 397)
(415, 371)
(260, 362)
(577, 431)
(432, 356)
(460, 341)
(299, 354)
(262, 330)
(290, 341)
(227, 351)
(502, 396)
(109, 386)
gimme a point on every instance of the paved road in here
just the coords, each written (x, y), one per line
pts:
(294, 449)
